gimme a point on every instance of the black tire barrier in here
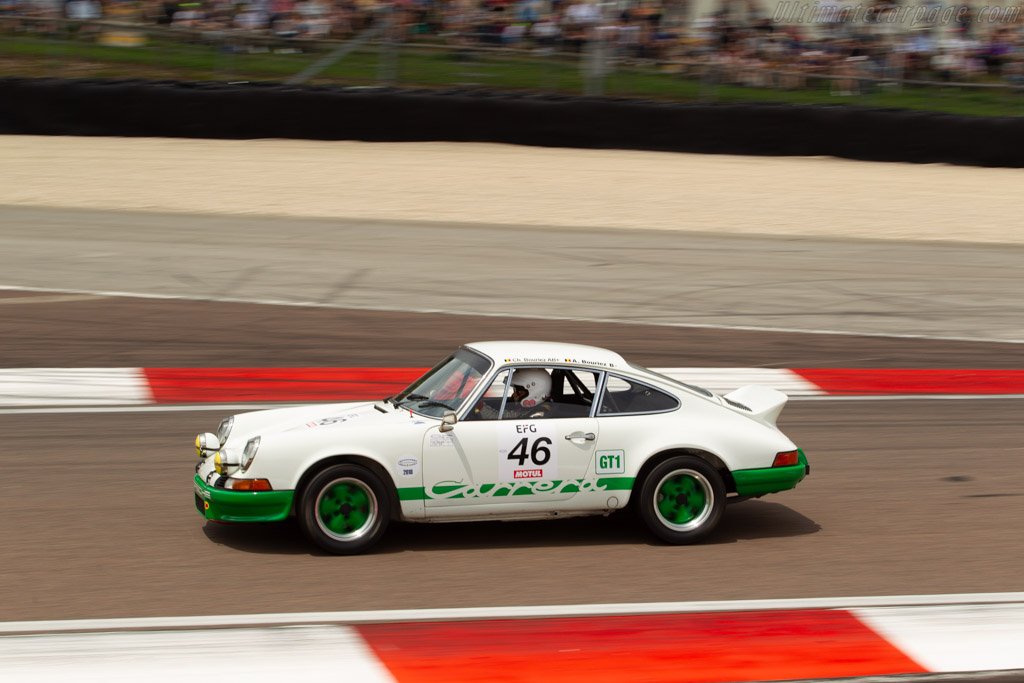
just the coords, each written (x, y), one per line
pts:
(136, 108)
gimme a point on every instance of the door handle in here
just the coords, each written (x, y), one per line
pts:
(589, 436)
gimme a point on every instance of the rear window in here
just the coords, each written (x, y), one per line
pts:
(626, 396)
(692, 387)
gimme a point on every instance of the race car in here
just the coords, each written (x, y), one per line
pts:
(502, 430)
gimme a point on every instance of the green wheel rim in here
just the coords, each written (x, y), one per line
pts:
(346, 509)
(683, 500)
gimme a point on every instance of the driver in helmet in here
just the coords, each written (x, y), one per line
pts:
(531, 389)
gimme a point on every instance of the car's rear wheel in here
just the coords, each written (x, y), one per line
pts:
(682, 499)
(344, 509)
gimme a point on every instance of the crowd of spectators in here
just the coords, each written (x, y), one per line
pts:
(739, 44)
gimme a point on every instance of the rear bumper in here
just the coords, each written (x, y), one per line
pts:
(222, 505)
(771, 479)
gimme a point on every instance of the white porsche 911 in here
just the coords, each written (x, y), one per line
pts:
(502, 431)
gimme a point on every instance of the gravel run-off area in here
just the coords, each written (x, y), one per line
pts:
(506, 184)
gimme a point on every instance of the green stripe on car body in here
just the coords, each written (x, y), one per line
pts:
(770, 479)
(412, 493)
(459, 490)
(223, 505)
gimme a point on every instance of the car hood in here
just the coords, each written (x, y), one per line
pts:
(318, 418)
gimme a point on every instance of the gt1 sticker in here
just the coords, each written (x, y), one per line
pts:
(611, 462)
(408, 466)
(527, 451)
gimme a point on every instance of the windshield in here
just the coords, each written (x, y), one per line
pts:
(446, 386)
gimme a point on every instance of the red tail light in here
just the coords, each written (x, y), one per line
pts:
(786, 459)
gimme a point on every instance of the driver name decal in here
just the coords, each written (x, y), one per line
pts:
(599, 363)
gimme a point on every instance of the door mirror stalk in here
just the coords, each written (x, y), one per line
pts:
(448, 421)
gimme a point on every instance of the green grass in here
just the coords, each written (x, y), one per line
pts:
(32, 56)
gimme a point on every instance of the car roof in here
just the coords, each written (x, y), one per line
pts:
(542, 352)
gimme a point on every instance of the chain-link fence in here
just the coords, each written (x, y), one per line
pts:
(384, 53)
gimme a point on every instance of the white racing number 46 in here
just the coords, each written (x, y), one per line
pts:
(527, 451)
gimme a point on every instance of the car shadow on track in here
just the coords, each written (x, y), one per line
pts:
(269, 538)
(757, 519)
(749, 521)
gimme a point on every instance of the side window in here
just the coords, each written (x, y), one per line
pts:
(529, 395)
(623, 395)
(573, 392)
(488, 407)
(537, 393)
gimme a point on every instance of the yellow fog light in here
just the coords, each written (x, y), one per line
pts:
(206, 444)
(222, 462)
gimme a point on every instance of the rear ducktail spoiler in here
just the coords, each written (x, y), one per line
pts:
(765, 404)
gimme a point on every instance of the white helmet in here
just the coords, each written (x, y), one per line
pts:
(535, 382)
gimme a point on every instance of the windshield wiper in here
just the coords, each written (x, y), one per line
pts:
(434, 404)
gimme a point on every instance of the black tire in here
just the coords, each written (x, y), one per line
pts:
(682, 499)
(345, 509)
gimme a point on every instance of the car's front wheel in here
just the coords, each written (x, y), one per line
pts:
(682, 499)
(344, 509)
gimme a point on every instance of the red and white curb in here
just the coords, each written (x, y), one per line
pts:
(698, 642)
(28, 387)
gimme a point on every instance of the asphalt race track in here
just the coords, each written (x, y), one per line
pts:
(904, 496)
(934, 289)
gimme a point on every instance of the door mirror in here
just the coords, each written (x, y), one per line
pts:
(448, 421)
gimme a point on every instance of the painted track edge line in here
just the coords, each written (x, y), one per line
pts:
(442, 311)
(510, 612)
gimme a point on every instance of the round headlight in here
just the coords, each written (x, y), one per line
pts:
(224, 430)
(249, 454)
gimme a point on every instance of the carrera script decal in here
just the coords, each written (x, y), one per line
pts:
(458, 490)
(444, 490)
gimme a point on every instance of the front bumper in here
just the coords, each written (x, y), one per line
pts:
(771, 479)
(241, 506)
